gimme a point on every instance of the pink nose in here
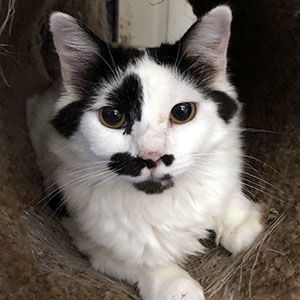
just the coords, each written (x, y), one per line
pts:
(153, 155)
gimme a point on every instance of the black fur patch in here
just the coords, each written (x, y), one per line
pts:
(210, 241)
(128, 97)
(155, 187)
(191, 68)
(227, 107)
(68, 118)
(167, 159)
(125, 164)
(87, 80)
(150, 163)
(105, 66)
(55, 201)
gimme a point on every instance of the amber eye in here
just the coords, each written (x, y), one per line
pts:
(111, 117)
(183, 112)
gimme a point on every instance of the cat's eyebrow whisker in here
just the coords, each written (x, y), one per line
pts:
(177, 55)
(112, 60)
(107, 63)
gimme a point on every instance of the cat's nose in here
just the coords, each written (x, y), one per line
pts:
(152, 155)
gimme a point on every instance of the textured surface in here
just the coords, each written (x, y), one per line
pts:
(36, 258)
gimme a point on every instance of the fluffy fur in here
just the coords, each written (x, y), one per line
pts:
(192, 169)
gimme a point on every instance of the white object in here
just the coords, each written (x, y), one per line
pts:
(150, 23)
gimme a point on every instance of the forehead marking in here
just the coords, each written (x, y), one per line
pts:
(128, 97)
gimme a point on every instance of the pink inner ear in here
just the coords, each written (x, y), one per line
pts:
(210, 37)
(222, 19)
(74, 46)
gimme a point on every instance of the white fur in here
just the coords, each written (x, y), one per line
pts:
(125, 232)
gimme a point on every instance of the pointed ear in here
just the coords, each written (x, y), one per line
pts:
(207, 40)
(76, 48)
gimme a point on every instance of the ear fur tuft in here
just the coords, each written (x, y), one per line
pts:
(75, 47)
(208, 38)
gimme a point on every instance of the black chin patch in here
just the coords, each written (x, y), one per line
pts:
(155, 187)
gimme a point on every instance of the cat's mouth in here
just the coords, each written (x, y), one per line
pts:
(155, 185)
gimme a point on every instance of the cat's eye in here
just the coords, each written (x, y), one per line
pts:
(183, 112)
(111, 117)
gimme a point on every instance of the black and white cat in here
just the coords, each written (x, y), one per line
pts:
(144, 145)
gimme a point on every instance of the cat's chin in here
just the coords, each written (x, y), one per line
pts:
(154, 185)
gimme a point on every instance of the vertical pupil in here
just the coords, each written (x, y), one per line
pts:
(111, 116)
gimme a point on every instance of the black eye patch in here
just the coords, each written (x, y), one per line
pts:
(128, 97)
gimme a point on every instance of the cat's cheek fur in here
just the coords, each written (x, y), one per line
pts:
(101, 141)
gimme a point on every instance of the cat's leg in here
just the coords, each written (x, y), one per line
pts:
(241, 224)
(167, 282)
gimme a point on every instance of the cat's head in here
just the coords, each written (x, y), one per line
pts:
(145, 114)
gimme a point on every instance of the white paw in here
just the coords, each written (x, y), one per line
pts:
(242, 237)
(180, 289)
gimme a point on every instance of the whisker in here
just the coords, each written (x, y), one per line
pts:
(264, 181)
(264, 192)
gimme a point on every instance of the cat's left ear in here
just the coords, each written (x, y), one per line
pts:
(207, 40)
(75, 46)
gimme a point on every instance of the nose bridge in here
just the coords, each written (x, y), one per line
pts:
(151, 139)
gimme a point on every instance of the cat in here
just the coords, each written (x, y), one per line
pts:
(144, 145)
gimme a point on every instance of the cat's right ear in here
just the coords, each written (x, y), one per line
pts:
(76, 48)
(207, 40)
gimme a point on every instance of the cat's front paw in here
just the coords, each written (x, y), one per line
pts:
(180, 289)
(242, 237)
